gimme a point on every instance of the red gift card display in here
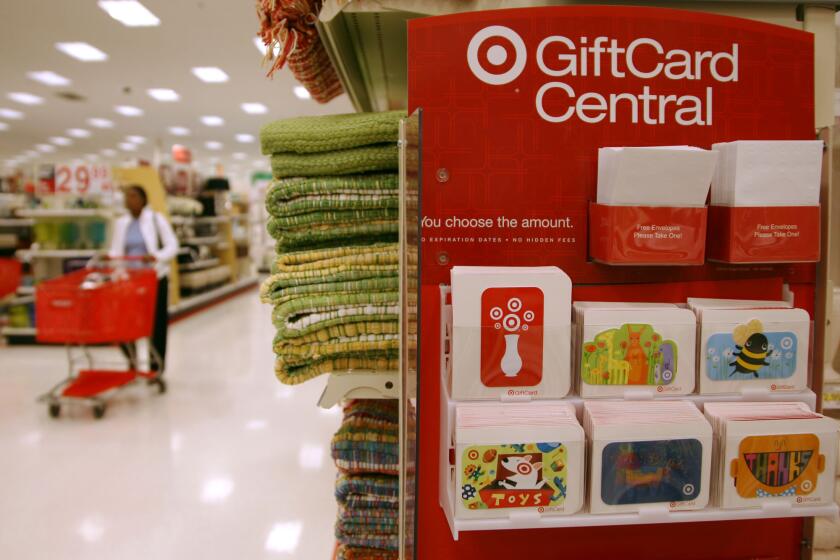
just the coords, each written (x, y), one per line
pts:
(768, 234)
(648, 235)
(511, 337)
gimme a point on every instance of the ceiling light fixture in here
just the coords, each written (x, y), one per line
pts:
(100, 123)
(210, 74)
(302, 93)
(48, 78)
(212, 120)
(10, 114)
(127, 147)
(163, 94)
(128, 110)
(129, 13)
(45, 148)
(25, 98)
(254, 108)
(108, 152)
(179, 131)
(134, 139)
(78, 133)
(240, 156)
(82, 51)
(245, 138)
(213, 145)
(4, 126)
(60, 141)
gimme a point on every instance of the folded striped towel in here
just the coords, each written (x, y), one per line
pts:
(367, 441)
(332, 218)
(273, 290)
(370, 361)
(350, 552)
(285, 195)
(364, 159)
(308, 315)
(380, 231)
(380, 487)
(330, 133)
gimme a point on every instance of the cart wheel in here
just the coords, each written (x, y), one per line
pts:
(98, 411)
(55, 410)
(160, 383)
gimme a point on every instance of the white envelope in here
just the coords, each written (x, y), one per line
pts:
(676, 176)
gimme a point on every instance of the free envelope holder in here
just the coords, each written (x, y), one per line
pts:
(764, 234)
(647, 235)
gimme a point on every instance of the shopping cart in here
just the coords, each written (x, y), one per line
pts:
(10, 272)
(107, 303)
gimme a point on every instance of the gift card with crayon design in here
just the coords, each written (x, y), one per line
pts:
(629, 355)
(532, 475)
(644, 472)
(777, 465)
(751, 352)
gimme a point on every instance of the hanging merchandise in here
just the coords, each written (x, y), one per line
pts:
(287, 29)
(366, 452)
(334, 283)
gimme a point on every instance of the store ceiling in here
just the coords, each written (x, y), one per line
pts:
(191, 33)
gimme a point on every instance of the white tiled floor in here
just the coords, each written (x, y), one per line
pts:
(228, 464)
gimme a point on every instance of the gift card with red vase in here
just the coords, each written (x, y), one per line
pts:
(511, 337)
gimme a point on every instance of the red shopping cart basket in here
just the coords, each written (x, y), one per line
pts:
(96, 307)
(10, 270)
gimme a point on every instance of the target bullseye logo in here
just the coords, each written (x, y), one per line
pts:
(497, 55)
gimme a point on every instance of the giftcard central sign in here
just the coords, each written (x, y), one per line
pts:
(516, 104)
(497, 55)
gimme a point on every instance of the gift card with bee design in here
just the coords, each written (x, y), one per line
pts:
(753, 348)
(645, 472)
(777, 466)
(531, 475)
(751, 353)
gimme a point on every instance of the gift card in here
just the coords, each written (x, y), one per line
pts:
(629, 355)
(532, 475)
(777, 465)
(643, 472)
(511, 337)
(751, 352)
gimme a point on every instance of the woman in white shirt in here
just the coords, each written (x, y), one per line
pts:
(147, 234)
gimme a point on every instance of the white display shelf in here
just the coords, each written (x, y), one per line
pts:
(66, 213)
(55, 253)
(189, 303)
(650, 514)
(200, 264)
(181, 220)
(210, 240)
(16, 222)
(359, 385)
(18, 331)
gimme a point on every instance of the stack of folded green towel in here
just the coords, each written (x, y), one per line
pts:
(334, 207)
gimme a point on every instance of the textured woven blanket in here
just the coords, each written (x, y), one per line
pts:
(332, 218)
(366, 268)
(349, 552)
(284, 191)
(367, 441)
(349, 487)
(312, 237)
(371, 360)
(389, 542)
(376, 157)
(308, 315)
(306, 135)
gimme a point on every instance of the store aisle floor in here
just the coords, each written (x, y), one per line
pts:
(228, 464)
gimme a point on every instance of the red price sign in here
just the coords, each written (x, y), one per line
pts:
(83, 179)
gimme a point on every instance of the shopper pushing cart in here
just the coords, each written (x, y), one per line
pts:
(145, 234)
